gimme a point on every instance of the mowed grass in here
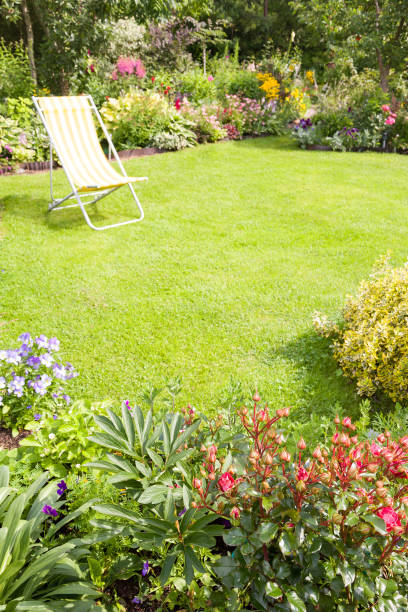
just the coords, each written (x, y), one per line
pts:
(241, 243)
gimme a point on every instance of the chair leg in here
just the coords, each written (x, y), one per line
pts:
(94, 227)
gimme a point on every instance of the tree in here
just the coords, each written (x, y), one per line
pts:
(377, 29)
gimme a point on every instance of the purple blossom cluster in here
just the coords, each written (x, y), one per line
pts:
(32, 372)
(352, 132)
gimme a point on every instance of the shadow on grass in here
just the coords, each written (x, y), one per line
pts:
(321, 384)
(281, 143)
(35, 210)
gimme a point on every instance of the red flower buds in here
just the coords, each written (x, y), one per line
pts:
(301, 444)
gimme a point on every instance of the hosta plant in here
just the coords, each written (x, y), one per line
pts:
(35, 572)
(325, 529)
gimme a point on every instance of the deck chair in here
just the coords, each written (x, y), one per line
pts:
(71, 130)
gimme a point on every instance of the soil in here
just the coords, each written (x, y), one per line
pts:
(127, 590)
(8, 442)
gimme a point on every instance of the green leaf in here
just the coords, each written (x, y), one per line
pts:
(348, 573)
(129, 427)
(166, 569)
(295, 603)
(187, 497)
(200, 538)
(272, 590)
(376, 522)
(235, 537)
(154, 494)
(285, 543)
(266, 532)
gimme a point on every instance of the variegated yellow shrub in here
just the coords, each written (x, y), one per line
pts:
(371, 345)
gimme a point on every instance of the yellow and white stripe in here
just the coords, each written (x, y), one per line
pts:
(70, 123)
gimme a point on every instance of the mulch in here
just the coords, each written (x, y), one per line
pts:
(7, 442)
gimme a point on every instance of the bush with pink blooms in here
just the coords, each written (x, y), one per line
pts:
(324, 528)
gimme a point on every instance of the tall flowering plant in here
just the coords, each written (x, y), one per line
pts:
(32, 380)
(324, 529)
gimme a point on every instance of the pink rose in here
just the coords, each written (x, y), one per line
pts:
(390, 120)
(210, 77)
(390, 518)
(375, 449)
(226, 482)
(385, 108)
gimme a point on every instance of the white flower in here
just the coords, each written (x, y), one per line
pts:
(78, 465)
(51, 436)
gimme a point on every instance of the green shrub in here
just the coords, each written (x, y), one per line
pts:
(371, 345)
(15, 77)
(135, 118)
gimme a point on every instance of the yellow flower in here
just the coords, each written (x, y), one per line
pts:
(269, 85)
(310, 76)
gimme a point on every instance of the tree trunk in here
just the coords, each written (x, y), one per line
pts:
(30, 40)
(265, 8)
(384, 72)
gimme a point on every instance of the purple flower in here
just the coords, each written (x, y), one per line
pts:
(184, 510)
(13, 356)
(127, 404)
(62, 486)
(54, 344)
(66, 398)
(25, 337)
(34, 362)
(59, 371)
(24, 350)
(42, 341)
(29, 407)
(50, 511)
(46, 359)
(41, 384)
(54, 416)
(37, 417)
(16, 385)
(145, 568)
(136, 600)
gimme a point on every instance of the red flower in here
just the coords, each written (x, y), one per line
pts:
(235, 513)
(346, 421)
(177, 103)
(302, 474)
(226, 482)
(153, 79)
(390, 518)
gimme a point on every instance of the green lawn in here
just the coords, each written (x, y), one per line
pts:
(241, 242)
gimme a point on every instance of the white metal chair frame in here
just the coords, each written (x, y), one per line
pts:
(56, 203)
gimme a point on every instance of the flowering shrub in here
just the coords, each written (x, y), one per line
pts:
(32, 380)
(126, 66)
(269, 85)
(207, 125)
(317, 530)
(372, 344)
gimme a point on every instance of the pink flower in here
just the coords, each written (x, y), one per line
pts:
(390, 120)
(92, 68)
(210, 77)
(302, 474)
(114, 75)
(385, 108)
(226, 482)
(390, 518)
(375, 449)
(128, 65)
(346, 422)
